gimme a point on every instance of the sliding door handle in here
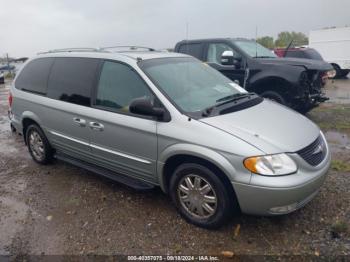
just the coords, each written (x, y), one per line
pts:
(96, 126)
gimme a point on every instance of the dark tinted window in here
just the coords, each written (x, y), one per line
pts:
(296, 54)
(118, 86)
(194, 49)
(33, 77)
(72, 79)
(313, 54)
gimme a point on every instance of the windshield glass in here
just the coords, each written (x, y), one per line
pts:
(192, 85)
(254, 49)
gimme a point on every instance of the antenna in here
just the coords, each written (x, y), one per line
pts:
(290, 44)
(256, 43)
(187, 36)
(187, 30)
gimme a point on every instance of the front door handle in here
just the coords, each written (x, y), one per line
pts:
(96, 126)
(79, 121)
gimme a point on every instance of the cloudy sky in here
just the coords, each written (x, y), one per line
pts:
(30, 26)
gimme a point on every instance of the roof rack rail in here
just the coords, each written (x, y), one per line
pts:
(127, 47)
(73, 49)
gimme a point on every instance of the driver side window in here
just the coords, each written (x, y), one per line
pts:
(118, 86)
(215, 51)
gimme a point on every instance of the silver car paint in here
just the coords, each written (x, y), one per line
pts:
(262, 193)
(269, 126)
(143, 146)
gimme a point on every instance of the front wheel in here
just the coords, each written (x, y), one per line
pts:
(274, 96)
(200, 196)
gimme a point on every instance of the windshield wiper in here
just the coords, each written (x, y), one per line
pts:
(224, 100)
(234, 97)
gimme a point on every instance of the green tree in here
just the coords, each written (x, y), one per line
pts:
(266, 41)
(284, 38)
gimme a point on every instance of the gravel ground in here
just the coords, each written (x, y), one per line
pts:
(61, 209)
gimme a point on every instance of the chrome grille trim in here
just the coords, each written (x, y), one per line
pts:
(314, 153)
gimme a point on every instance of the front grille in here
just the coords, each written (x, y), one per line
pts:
(315, 152)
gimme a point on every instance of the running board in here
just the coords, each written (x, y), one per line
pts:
(134, 183)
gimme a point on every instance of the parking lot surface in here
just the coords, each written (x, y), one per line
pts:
(61, 209)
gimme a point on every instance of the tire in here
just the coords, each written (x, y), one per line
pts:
(221, 210)
(274, 96)
(38, 145)
(13, 129)
(338, 71)
(304, 109)
(344, 74)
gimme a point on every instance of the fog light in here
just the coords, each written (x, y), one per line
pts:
(284, 209)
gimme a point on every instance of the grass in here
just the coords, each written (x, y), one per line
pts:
(332, 117)
(341, 166)
(332, 107)
(339, 227)
(10, 76)
(339, 126)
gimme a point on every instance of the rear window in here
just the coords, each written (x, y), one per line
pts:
(33, 78)
(72, 79)
(194, 49)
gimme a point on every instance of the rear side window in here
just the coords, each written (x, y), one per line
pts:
(33, 78)
(194, 49)
(313, 54)
(72, 79)
(296, 54)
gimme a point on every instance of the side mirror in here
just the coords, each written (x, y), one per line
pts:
(144, 106)
(227, 58)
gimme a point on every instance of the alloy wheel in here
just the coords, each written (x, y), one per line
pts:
(197, 196)
(36, 145)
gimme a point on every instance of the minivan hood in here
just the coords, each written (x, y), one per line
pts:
(307, 63)
(269, 126)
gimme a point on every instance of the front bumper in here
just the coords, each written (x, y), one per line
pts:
(282, 194)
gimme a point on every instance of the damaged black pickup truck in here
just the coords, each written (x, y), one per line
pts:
(297, 83)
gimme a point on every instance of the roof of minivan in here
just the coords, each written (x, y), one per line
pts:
(215, 39)
(144, 55)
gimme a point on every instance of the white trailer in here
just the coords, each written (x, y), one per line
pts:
(334, 46)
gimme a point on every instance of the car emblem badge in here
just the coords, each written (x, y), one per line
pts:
(319, 149)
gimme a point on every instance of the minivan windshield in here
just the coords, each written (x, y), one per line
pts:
(192, 85)
(254, 49)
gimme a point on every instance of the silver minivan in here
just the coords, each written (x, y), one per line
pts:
(148, 118)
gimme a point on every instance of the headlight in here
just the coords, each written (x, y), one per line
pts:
(331, 73)
(271, 165)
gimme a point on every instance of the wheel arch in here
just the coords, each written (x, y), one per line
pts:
(335, 64)
(29, 118)
(273, 83)
(178, 154)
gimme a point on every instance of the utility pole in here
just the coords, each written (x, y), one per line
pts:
(8, 63)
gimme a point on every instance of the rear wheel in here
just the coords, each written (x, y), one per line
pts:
(38, 145)
(274, 96)
(200, 196)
